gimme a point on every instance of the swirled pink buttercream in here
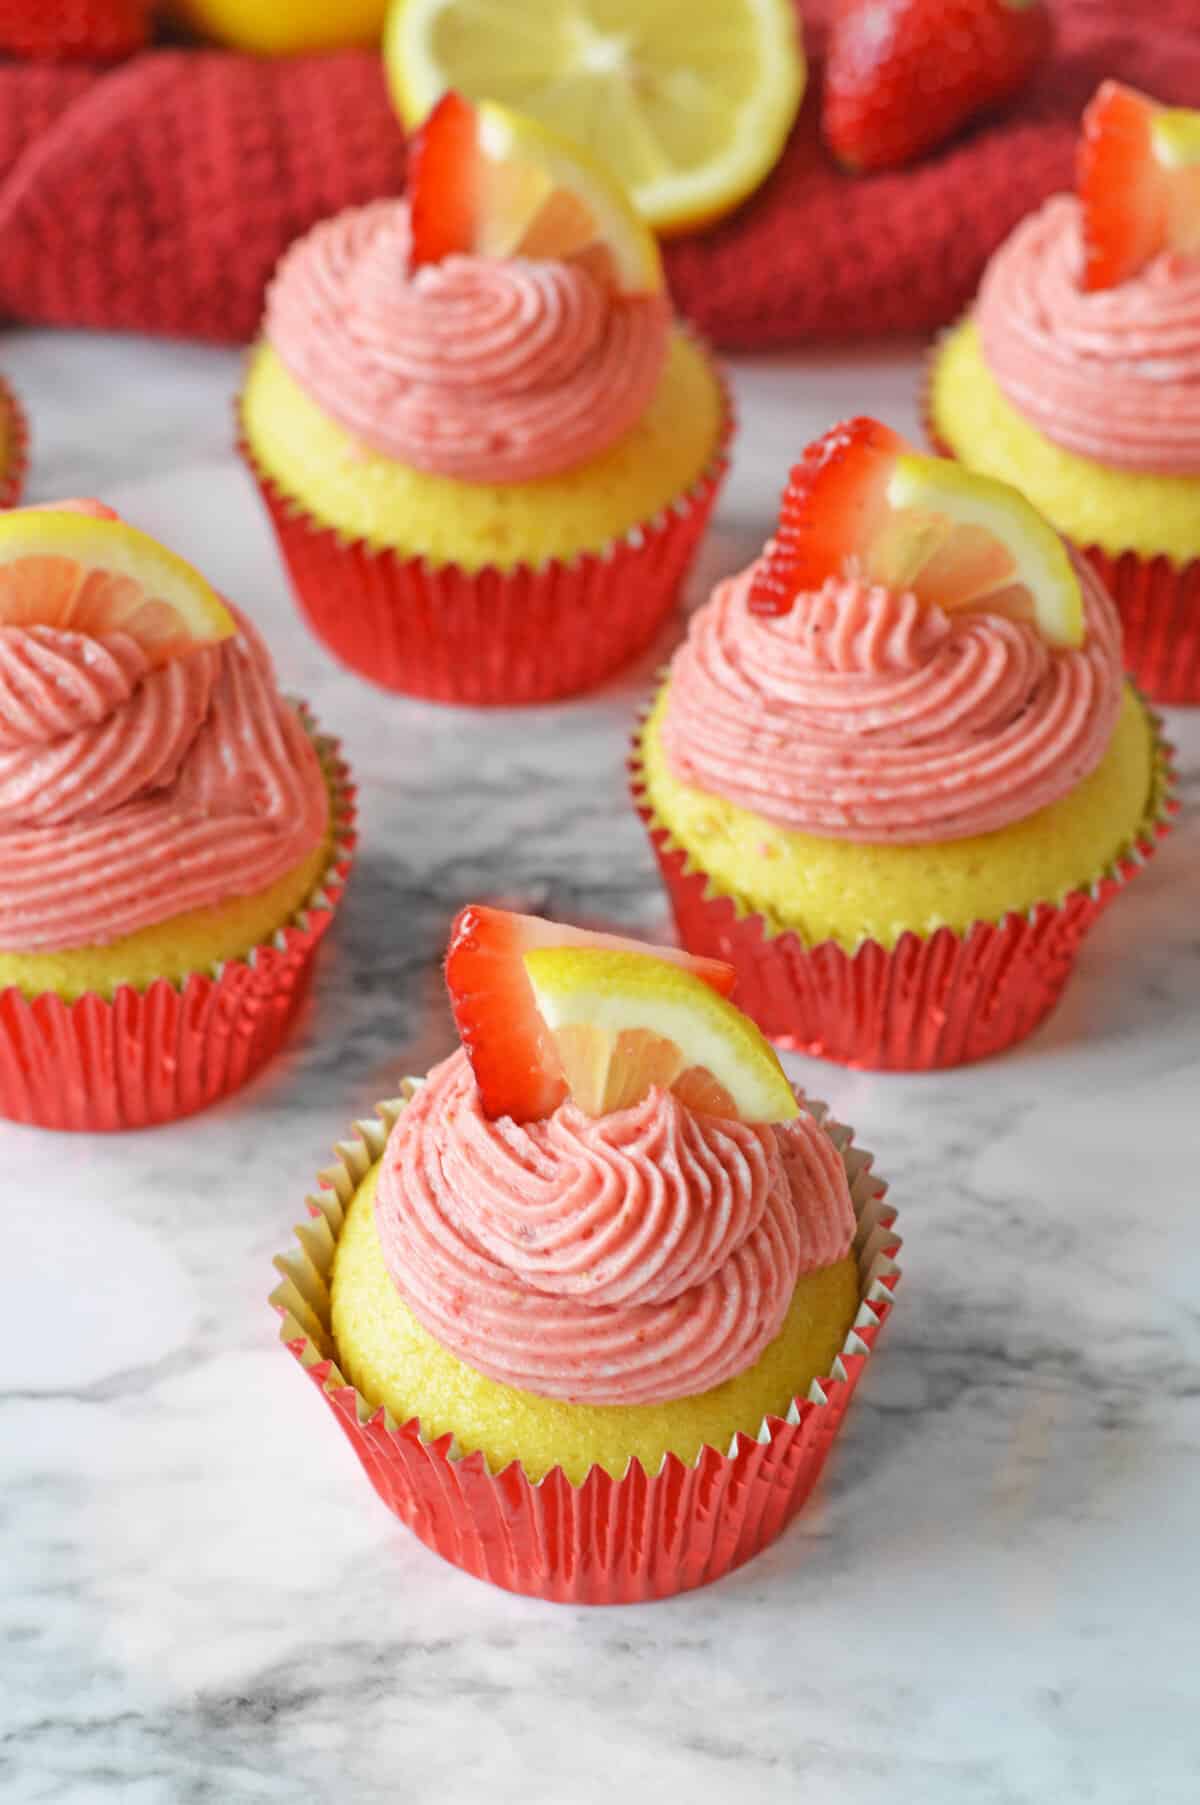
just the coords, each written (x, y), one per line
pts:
(865, 715)
(487, 369)
(1113, 375)
(622, 1259)
(129, 795)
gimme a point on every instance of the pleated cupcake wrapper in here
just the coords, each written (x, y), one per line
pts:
(535, 633)
(930, 1001)
(151, 1056)
(16, 453)
(1157, 598)
(605, 1541)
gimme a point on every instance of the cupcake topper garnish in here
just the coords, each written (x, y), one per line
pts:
(861, 505)
(1138, 177)
(78, 567)
(490, 182)
(547, 1012)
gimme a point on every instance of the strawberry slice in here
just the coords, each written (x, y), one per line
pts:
(443, 181)
(864, 507)
(511, 1050)
(832, 508)
(489, 181)
(66, 30)
(1138, 179)
(903, 75)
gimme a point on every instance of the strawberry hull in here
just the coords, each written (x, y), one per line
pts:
(605, 1541)
(930, 1001)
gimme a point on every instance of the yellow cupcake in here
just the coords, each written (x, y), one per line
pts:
(848, 891)
(342, 483)
(534, 445)
(1091, 503)
(393, 1361)
(192, 942)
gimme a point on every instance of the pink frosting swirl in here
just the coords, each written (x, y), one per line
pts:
(1113, 375)
(864, 715)
(622, 1259)
(490, 370)
(129, 795)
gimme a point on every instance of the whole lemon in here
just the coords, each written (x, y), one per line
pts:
(283, 27)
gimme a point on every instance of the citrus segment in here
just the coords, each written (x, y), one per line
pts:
(974, 542)
(91, 573)
(516, 1064)
(622, 1022)
(861, 505)
(486, 180)
(1138, 182)
(689, 105)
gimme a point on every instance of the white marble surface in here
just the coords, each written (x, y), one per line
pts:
(992, 1601)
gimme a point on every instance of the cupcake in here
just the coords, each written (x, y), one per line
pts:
(14, 441)
(894, 773)
(591, 1298)
(486, 448)
(1077, 375)
(174, 835)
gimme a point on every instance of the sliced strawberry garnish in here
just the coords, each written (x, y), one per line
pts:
(830, 514)
(512, 1053)
(902, 75)
(485, 180)
(1138, 178)
(443, 181)
(862, 506)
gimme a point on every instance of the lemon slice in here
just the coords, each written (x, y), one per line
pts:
(689, 105)
(94, 575)
(861, 505)
(283, 27)
(622, 1022)
(969, 541)
(492, 182)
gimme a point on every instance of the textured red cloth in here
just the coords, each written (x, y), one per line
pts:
(71, 30)
(158, 196)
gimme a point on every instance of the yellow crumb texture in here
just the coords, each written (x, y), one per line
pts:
(169, 949)
(364, 495)
(847, 891)
(384, 1351)
(1093, 504)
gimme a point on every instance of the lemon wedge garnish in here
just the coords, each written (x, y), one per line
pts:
(623, 1022)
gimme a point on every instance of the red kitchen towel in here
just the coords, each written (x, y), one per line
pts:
(157, 196)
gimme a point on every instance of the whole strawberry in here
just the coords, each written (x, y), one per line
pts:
(902, 75)
(73, 30)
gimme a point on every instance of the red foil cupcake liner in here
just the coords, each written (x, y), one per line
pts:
(1159, 605)
(16, 454)
(1157, 599)
(606, 1541)
(930, 1001)
(151, 1056)
(535, 633)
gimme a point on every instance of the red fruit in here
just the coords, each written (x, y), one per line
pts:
(443, 181)
(828, 513)
(66, 30)
(902, 75)
(512, 1055)
(1138, 176)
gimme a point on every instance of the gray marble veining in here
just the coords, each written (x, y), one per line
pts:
(992, 1600)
